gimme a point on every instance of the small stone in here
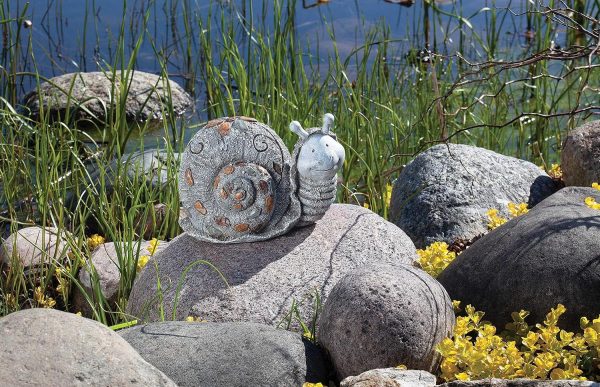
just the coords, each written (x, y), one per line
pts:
(228, 354)
(33, 246)
(46, 347)
(390, 377)
(580, 155)
(446, 191)
(385, 316)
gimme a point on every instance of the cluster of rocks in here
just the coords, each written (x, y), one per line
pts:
(351, 279)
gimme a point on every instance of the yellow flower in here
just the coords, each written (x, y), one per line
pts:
(366, 205)
(42, 300)
(194, 319)
(153, 245)
(78, 314)
(555, 171)
(596, 186)
(95, 241)
(142, 261)
(307, 384)
(435, 258)
(591, 203)
(495, 220)
(401, 367)
(517, 209)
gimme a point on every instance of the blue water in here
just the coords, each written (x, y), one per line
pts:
(82, 35)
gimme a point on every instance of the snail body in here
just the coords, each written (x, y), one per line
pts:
(239, 183)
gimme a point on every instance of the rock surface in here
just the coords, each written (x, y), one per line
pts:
(580, 156)
(384, 316)
(228, 354)
(45, 347)
(34, 246)
(445, 192)
(266, 277)
(520, 383)
(106, 263)
(90, 96)
(533, 262)
(390, 377)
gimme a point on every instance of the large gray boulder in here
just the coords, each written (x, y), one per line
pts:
(390, 377)
(45, 347)
(260, 281)
(105, 261)
(384, 316)
(580, 155)
(445, 192)
(32, 246)
(228, 354)
(534, 262)
(89, 96)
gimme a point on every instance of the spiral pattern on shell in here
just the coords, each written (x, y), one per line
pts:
(235, 183)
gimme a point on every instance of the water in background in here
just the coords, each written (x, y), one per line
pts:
(82, 35)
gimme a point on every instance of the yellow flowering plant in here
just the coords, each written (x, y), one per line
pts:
(143, 259)
(435, 257)
(543, 351)
(514, 209)
(95, 241)
(590, 201)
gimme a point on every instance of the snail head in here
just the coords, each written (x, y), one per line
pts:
(320, 156)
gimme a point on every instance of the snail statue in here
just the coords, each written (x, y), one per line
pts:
(239, 183)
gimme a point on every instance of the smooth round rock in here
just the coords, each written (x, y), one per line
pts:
(259, 281)
(45, 347)
(580, 155)
(228, 354)
(33, 246)
(446, 191)
(90, 96)
(390, 377)
(534, 262)
(383, 316)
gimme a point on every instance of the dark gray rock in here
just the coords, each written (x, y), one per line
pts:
(266, 277)
(445, 192)
(88, 96)
(545, 257)
(33, 246)
(580, 155)
(520, 383)
(384, 316)
(45, 347)
(390, 377)
(105, 260)
(228, 354)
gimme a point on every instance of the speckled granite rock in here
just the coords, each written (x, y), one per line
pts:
(228, 354)
(266, 277)
(445, 192)
(580, 156)
(45, 347)
(90, 96)
(545, 257)
(383, 316)
(390, 377)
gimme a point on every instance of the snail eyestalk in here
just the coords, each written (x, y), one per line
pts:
(297, 128)
(327, 123)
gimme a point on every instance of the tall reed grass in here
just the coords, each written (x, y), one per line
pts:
(388, 106)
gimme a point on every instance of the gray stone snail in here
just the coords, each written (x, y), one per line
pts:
(239, 183)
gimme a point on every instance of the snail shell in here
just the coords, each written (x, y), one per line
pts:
(235, 183)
